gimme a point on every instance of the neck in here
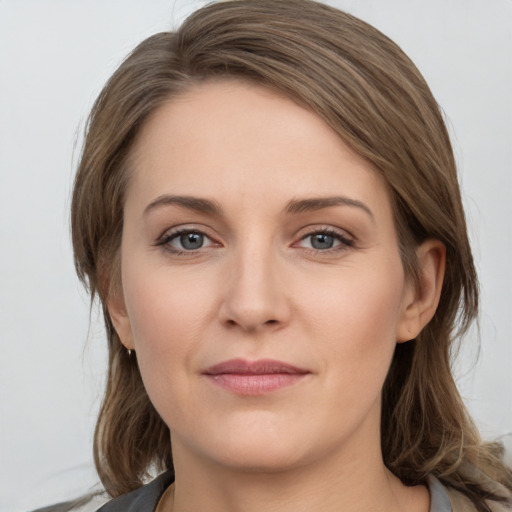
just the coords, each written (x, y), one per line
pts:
(352, 481)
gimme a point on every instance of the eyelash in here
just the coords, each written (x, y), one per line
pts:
(345, 242)
(167, 238)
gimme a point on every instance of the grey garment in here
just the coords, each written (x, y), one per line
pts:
(146, 498)
(439, 500)
(143, 499)
(86, 503)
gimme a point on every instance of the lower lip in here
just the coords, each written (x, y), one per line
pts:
(253, 385)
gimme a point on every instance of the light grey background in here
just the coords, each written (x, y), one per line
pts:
(54, 57)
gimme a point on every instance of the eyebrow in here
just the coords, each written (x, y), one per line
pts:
(295, 206)
(308, 205)
(190, 203)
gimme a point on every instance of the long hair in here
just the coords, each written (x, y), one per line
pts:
(366, 89)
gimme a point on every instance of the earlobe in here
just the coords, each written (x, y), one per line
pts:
(422, 299)
(119, 316)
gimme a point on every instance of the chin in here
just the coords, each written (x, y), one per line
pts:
(261, 458)
(249, 447)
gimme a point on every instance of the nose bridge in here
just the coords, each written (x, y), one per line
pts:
(254, 297)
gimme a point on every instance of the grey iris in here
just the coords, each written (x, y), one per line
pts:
(322, 241)
(192, 241)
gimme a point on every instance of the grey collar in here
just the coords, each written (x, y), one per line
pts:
(439, 500)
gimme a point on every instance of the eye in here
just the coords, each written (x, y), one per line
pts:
(190, 241)
(321, 241)
(324, 240)
(185, 240)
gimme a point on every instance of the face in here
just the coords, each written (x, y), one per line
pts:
(262, 286)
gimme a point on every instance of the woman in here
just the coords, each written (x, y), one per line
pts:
(267, 206)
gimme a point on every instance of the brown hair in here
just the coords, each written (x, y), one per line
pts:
(372, 95)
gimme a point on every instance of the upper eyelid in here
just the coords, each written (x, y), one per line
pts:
(300, 234)
(311, 230)
(340, 238)
(165, 241)
(169, 235)
(184, 228)
(345, 239)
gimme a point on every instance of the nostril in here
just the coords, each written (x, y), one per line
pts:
(271, 322)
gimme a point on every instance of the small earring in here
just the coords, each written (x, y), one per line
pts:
(129, 352)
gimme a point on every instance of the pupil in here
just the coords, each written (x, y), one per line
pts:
(191, 240)
(322, 241)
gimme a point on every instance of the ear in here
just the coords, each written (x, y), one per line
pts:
(119, 316)
(421, 299)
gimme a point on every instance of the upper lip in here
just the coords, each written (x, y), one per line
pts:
(259, 367)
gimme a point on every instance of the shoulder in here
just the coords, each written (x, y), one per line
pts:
(462, 504)
(447, 499)
(143, 499)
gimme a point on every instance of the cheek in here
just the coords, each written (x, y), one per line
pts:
(354, 318)
(163, 304)
(353, 325)
(168, 312)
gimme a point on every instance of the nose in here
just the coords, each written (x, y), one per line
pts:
(255, 297)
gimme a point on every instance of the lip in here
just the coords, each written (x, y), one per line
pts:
(254, 378)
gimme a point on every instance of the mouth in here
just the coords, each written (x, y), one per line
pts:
(254, 378)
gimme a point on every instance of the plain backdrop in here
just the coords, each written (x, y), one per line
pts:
(54, 57)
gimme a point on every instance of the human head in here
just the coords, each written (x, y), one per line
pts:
(368, 91)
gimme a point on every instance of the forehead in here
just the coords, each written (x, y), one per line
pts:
(233, 138)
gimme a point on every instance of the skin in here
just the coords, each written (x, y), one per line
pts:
(260, 288)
